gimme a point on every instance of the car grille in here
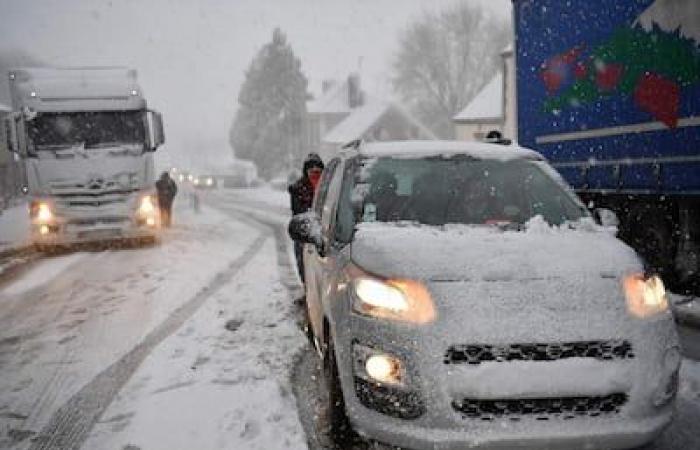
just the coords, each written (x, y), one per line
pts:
(540, 408)
(477, 353)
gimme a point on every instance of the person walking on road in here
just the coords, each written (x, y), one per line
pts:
(167, 189)
(302, 196)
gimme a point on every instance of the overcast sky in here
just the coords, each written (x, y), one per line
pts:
(192, 55)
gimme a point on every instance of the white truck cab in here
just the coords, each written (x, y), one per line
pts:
(87, 140)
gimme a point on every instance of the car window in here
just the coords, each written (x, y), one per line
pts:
(323, 186)
(438, 190)
(331, 199)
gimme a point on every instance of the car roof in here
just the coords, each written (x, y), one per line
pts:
(419, 149)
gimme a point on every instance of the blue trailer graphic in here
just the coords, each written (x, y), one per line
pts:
(609, 92)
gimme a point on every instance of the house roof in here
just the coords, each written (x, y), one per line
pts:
(335, 100)
(357, 123)
(488, 104)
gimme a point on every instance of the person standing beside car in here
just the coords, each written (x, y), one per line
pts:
(167, 189)
(301, 195)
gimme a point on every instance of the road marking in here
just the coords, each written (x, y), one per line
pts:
(70, 425)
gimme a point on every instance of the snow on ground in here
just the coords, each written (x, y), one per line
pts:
(222, 381)
(58, 334)
(14, 227)
(689, 387)
(44, 272)
(265, 195)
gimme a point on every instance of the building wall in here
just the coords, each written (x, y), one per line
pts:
(476, 131)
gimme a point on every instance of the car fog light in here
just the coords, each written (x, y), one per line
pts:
(44, 230)
(150, 221)
(378, 367)
(384, 369)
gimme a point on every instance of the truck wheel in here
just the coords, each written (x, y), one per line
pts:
(340, 429)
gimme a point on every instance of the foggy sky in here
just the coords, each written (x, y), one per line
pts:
(192, 55)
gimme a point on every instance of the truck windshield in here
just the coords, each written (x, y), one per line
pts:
(437, 191)
(92, 129)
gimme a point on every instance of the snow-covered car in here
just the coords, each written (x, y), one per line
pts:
(461, 295)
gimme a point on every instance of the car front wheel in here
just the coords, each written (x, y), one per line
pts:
(340, 429)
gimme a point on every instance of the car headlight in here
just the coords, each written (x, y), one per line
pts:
(43, 212)
(210, 181)
(196, 181)
(646, 296)
(147, 206)
(399, 299)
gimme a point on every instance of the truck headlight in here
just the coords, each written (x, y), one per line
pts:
(402, 300)
(43, 213)
(645, 296)
(147, 206)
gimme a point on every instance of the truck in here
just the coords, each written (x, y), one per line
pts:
(609, 93)
(86, 139)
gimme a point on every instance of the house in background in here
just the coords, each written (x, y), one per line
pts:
(493, 108)
(345, 113)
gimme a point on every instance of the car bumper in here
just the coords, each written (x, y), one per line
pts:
(439, 385)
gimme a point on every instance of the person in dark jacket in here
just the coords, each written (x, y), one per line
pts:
(302, 196)
(167, 189)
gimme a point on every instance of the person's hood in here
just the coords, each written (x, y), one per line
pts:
(75, 171)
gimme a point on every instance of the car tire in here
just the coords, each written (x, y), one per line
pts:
(339, 426)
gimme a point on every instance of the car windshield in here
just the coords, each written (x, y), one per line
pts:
(461, 189)
(92, 129)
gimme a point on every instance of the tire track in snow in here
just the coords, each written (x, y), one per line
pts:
(71, 423)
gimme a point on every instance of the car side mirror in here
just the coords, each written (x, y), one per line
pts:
(156, 135)
(306, 228)
(606, 218)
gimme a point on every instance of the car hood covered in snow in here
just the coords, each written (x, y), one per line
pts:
(544, 284)
(475, 253)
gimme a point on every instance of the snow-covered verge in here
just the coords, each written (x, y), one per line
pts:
(59, 332)
(14, 228)
(222, 382)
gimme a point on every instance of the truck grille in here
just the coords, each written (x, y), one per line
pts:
(478, 353)
(540, 408)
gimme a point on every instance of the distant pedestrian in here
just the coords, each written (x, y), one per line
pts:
(167, 189)
(302, 196)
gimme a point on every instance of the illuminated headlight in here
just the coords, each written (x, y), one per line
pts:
(181, 178)
(147, 206)
(190, 177)
(43, 213)
(403, 300)
(646, 296)
(44, 230)
(378, 367)
(210, 181)
(196, 182)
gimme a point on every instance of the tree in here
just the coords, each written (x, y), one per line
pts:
(444, 59)
(269, 125)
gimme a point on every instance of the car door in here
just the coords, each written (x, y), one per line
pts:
(313, 258)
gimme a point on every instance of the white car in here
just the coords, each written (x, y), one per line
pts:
(461, 296)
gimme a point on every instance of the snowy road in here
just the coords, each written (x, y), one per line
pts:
(194, 343)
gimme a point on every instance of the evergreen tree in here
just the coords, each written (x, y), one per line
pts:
(269, 125)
